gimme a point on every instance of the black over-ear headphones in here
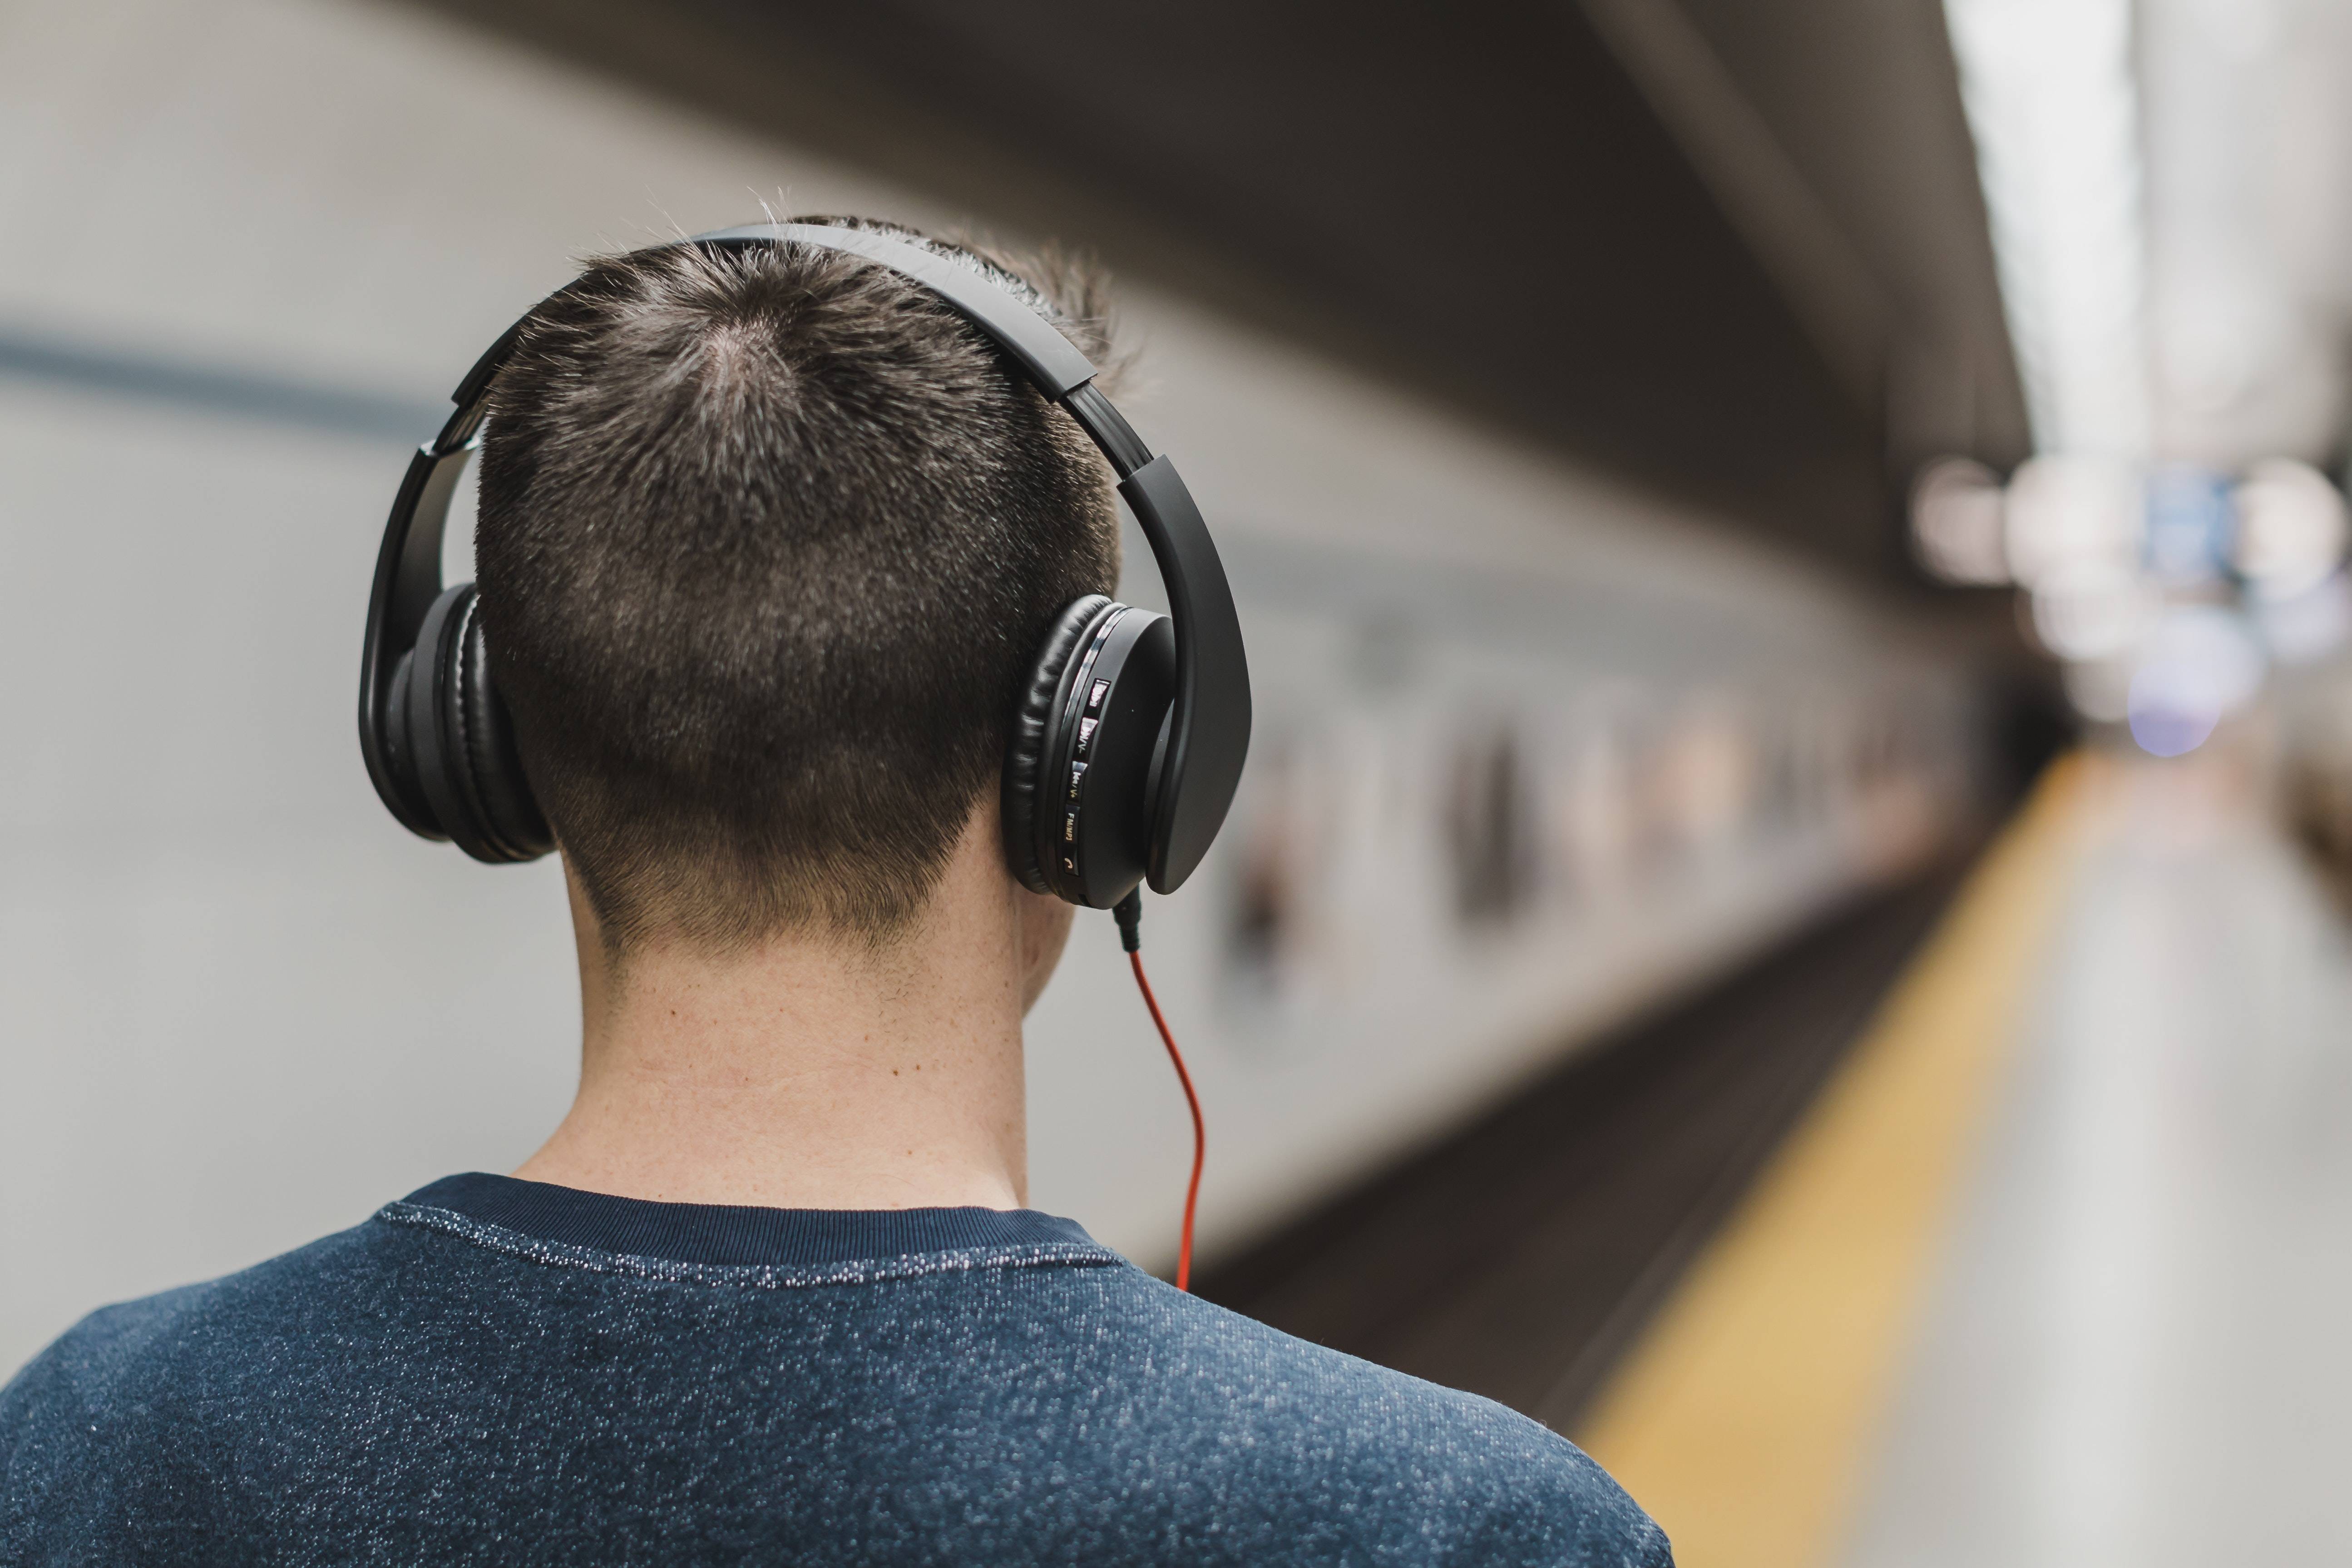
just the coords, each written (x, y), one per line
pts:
(1129, 736)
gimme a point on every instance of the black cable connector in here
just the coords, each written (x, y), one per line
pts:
(1129, 913)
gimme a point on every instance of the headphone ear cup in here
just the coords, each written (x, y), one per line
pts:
(460, 743)
(1028, 743)
(400, 753)
(501, 792)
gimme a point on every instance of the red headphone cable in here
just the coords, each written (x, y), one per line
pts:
(1129, 912)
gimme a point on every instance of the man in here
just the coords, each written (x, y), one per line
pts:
(767, 539)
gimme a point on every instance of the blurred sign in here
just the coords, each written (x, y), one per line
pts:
(2189, 524)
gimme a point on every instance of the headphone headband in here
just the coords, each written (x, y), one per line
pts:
(1207, 735)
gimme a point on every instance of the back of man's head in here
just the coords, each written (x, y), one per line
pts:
(767, 541)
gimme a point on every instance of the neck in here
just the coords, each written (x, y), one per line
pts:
(809, 1073)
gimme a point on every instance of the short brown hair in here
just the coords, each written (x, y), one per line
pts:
(768, 538)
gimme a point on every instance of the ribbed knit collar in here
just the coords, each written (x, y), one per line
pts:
(725, 1233)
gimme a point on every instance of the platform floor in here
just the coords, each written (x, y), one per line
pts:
(2139, 1345)
(2057, 1268)
(2005, 1219)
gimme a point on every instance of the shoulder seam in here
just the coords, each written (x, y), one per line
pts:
(747, 1276)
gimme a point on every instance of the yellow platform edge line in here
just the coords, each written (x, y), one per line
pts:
(1742, 1416)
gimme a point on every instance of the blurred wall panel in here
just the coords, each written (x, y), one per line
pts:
(1534, 748)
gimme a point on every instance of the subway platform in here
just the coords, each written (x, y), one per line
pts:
(2006, 1219)
(2131, 1347)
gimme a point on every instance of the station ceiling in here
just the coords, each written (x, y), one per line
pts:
(1732, 249)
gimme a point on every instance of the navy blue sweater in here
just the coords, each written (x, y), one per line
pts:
(504, 1371)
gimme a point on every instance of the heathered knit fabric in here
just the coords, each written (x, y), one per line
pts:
(495, 1371)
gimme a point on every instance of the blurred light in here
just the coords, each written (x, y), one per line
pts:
(2308, 626)
(2051, 100)
(2188, 532)
(2200, 664)
(2291, 528)
(2065, 513)
(1955, 523)
(2100, 690)
(2090, 610)
(2244, 105)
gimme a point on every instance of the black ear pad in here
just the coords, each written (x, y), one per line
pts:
(1033, 722)
(400, 757)
(1088, 775)
(497, 789)
(458, 742)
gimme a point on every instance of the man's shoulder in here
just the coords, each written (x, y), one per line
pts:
(172, 1335)
(131, 1385)
(200, 1408)
(1504, 1488)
